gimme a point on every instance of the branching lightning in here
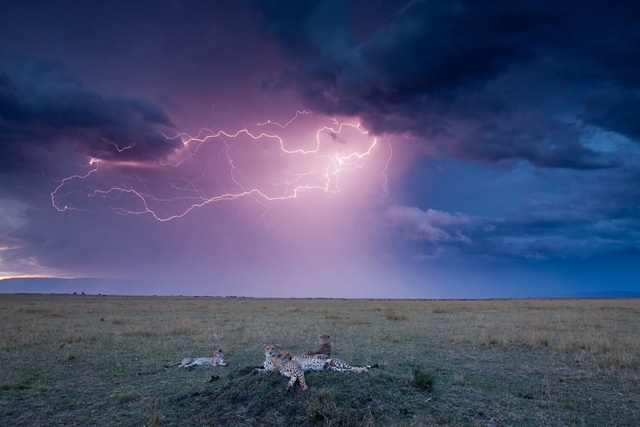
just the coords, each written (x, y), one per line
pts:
(313, 165)
(92, 162)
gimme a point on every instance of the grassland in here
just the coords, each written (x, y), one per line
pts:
(99, 360)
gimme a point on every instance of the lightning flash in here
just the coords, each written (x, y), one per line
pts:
(267, 163)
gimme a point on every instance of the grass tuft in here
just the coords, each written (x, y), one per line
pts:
(422, 380)
(395, 317)
(142, 331)
(128, 397)
(181, 327)
(458, 379)
(322, 407)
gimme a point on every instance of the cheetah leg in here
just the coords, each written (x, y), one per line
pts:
(303, 383)
(292, 381)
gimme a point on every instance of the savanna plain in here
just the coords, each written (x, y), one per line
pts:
(100, 360)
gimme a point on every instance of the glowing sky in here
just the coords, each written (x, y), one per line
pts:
(321, 148)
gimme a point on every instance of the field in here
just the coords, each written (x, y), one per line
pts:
(99, 360)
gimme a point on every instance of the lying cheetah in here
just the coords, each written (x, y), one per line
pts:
(270, 351)
(188, 362)
(318, 362)
(289, 368)
(321, 362)
(325, 346)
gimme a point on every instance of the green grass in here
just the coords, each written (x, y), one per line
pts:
(95, 360)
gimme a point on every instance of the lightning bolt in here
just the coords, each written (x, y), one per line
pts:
(54, 193)
(120, 150)
(324, 164)
(385, 184)
(298, 114)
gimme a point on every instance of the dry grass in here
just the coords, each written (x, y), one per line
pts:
(458, 379)
(495, 362)
(395, 317)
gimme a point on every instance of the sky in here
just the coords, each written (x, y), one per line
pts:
(357, 149)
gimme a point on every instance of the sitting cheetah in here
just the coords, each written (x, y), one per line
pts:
(325, 346)
(289, 368)
(188, 362)
(318, 362)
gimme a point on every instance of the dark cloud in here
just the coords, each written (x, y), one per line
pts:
(601, 215)
(584, 214)
(598, 41)
(542, 141)
(616, 109)
(431, 46)
(433, 70)
(553, 233)
(302, 27)
(42, 106)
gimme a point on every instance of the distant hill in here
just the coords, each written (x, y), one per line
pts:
(95, 286)
(47, 285)
(605, 294)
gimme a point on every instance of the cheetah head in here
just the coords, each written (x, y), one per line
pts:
(219, 357)
(270, 350)
(324, 338)
(282, 357)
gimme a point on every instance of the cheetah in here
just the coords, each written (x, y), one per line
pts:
(270, 351)
(321, 362)
(189, 362)
(291, 369)
(324, 342)
(318, 362)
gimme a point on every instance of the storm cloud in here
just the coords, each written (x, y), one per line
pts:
(42, 107)
(498, 152)
(446, 73)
